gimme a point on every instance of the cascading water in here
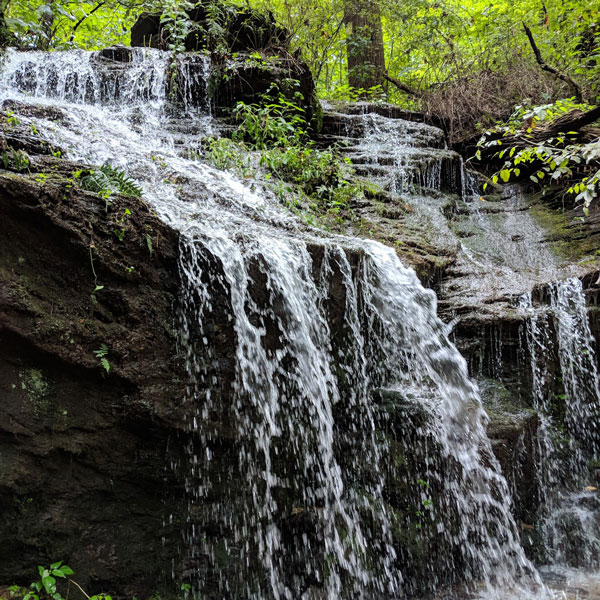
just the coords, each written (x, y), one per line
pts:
(316, 326)
(570, 512)
(503, 251)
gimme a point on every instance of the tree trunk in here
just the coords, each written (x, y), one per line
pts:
(4, 33)
(364, 44)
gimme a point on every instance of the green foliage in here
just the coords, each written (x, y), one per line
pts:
(227, 155)
(427, 42)
(320, 174)
(11, 119)
(533, 115)
(277, 131)
(175, 20)
(108, 180)
(101, 355)
(45, 588)
(272, 123)
(15, 160)
(556, 160)
(63, 24)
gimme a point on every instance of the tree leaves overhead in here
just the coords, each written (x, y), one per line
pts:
(427, 43)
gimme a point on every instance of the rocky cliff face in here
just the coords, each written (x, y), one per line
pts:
(83, 449)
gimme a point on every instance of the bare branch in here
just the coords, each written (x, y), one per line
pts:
(402, 86)
(85, 16)
(550, 69)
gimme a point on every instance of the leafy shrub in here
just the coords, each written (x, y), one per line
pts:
(278, 123)
(320, 174)
(558, 159)
(277, 131)
(45, 588)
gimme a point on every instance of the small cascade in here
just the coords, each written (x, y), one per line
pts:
(81, 77)
(578, 365)
(559, 340)
(289, 339)
(400, 156)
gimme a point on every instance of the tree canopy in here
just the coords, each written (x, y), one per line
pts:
(427, 44)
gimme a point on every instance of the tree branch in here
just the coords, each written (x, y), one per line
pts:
(85, 16)
(546, 67)
(402, 86)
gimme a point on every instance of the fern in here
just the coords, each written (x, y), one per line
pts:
(98, 182)
(108, 180)
(125, 185)
(101, 355)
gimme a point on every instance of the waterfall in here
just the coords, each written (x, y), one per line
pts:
(569, 512)
(288, 478)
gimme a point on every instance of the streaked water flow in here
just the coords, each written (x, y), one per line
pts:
(315, 325)
(570, 512)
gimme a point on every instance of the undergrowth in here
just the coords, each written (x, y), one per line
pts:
(271, 143)
(52, 583)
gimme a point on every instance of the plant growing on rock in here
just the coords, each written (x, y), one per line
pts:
(15, 160)
(101, 355)
(108, 180)
(45, 588)
(277, 129)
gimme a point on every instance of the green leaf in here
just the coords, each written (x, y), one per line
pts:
(149, 243)
(505, 175)
(49, 584)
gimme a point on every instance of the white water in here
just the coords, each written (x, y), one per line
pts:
(570, 512)
(294, 389)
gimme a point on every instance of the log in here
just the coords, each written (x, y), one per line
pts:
(575, 120)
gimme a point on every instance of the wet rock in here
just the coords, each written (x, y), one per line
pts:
(512, 430)
(121, 54)
(82, 450)
(247, 78)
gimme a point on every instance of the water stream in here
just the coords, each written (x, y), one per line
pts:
(301, 503)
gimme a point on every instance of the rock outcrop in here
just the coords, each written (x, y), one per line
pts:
(93, 379)
(83, 446)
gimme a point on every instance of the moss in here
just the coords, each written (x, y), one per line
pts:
(37, 388)
(567, 237)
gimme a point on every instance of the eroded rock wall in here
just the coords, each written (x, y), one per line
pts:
(83, 451)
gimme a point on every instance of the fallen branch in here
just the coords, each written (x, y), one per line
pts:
(573, 121)
(550, 69)
(402, 86)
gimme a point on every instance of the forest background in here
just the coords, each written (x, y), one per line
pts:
(480, 67)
